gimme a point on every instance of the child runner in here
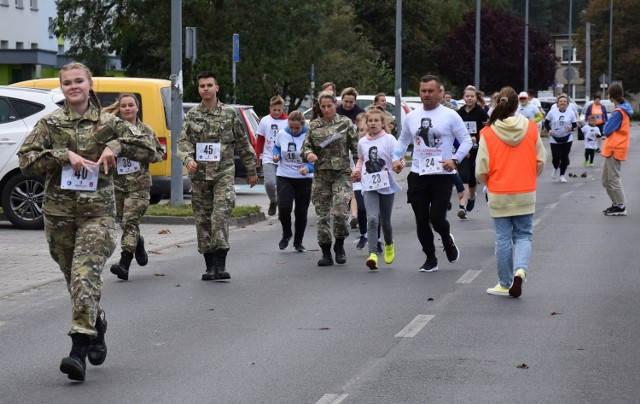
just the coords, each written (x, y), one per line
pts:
(378, 183)
(591, 135)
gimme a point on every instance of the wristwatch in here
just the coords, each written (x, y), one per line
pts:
(455, 161)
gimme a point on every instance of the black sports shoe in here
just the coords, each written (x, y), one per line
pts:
(299, 248)
(430, 265)
(471, 203)
(379, 249)
(451, 249)
(361, 243)
(616, 211)
(272, 209)
(284, 243)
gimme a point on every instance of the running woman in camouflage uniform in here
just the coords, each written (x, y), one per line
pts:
(75, 147)
(209, 133)
(328, 142)
(132, 182)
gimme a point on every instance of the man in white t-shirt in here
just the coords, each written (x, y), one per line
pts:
(268, 128)
(432, 131)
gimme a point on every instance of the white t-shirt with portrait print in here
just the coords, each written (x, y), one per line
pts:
(290, 161)
(377, 155)
(269, 128)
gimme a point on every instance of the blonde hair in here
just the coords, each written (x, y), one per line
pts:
(276, 100)
(377, 111)
(297, 116)
(327, 95)
(114, 108)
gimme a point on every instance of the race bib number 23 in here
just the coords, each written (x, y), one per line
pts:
(374, 181)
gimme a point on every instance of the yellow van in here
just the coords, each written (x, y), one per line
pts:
(154, 96)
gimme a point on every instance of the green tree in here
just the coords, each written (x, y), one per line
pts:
(625, 45)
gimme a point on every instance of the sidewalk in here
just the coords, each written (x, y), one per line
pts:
(26, 263)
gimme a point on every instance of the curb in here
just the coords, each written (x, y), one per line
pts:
(190, 220)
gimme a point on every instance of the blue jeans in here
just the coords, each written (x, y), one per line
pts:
(513, 245)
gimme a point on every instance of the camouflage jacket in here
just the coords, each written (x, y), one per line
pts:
(44, 152)
(220, 125)
(331, 142)
(140, 180)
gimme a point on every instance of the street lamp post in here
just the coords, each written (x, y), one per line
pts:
(526, 45)
(476, 80)
(610, 38)
(569, 69)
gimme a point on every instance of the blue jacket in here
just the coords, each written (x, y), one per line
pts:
(615, 121)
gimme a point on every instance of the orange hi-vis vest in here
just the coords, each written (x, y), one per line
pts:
(618, 142)
(512, 169)
(596, 110)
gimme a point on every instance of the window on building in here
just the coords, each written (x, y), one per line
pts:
(19, 4)
(4, 3)
(568, 54)
(34, 45)
(19, 45)
(4, 44)
(33, 4)
(61, 49)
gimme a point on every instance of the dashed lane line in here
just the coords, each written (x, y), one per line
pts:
(415, 326)
(332, 399)
(469, 276)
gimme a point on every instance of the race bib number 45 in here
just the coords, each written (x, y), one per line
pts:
(81, 180)
(126, 166)
(207, 151)
(375, 181)
(430, 165)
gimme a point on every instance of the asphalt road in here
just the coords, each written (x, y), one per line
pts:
(286, 331)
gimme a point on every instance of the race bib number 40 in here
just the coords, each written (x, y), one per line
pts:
(207, 151)
(430, 165)
(375, 181)
(126, 166)
(81, 180)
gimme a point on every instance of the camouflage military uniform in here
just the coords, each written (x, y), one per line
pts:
(331, 190)
(132, 194)
(213, 194)
(79, 225)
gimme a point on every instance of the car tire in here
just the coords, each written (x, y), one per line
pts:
(22, 199)
(155, 199)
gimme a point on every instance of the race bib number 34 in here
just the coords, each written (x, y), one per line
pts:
(126, 166)
(375, 181)
(207, 151)
(430, 165)
(81, 180)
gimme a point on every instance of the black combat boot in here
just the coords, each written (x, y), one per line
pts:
(74, 365)
(122, 269)
(210, 260)
(338, 248)
(98, 347)
(219, 269)
(327, 259)
(141, 255)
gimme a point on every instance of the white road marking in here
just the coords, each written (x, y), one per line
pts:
(536, 222)
(468, 276)
(415, 326)
(332, 399)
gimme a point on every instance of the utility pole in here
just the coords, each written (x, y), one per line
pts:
(610, 41)
(526, 45)
(570, 69)
(398, 86)
(587, 67)
(476, 80)
(176, 100)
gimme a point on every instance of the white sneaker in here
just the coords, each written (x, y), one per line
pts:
(555, 173)
(563, 178)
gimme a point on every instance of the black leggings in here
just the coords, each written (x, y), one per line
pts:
(560, 155)
(589, 154)
(292, 190)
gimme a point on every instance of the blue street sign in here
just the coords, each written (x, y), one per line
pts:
(236, 48)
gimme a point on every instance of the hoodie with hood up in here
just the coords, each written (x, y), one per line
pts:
(512, 131)
(616, 132)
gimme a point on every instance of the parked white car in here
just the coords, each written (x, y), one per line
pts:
(20, 110)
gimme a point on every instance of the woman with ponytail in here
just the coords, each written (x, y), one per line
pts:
(132, 182)
(76, 148)
(510, 158)
(614, 150)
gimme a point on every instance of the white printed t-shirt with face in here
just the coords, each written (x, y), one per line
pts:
(269, 128)
(591, 134)
(290, 160)
(432, 134)
(381, 149)
(561, 124)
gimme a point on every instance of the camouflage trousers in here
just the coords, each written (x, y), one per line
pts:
(330, 194)
(81, 247)
(212, 202)
(130, 207)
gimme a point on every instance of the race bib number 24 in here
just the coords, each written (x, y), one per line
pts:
(430, 165)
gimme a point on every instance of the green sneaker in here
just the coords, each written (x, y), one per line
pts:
(518, 279)
(389, 253)
(498, 290)
(372, 261)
